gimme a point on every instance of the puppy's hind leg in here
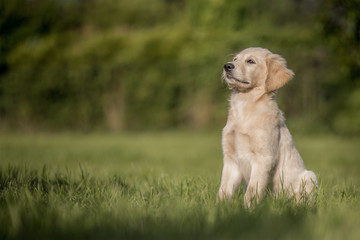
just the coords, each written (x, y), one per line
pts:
(307, 186)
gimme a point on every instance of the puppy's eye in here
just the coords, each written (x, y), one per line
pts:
(235, 58)
(250, 61)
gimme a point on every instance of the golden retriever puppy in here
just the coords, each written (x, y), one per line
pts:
(257, 146)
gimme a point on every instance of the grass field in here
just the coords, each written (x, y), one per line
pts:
(163, 186)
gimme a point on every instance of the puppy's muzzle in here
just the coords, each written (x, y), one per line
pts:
(228, 67)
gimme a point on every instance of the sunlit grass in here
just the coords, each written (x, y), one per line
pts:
(163, 186)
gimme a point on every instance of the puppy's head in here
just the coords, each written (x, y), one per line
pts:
(256, 67)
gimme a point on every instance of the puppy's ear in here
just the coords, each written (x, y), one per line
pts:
(278, 73)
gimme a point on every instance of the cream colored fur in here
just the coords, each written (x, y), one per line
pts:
(257, 146)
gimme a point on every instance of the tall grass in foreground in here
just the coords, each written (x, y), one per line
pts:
(66, 187)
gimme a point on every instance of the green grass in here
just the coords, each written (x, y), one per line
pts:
(163, 186)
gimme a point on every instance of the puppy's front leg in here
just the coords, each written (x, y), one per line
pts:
(231, 176)
(265, 143)
(259, 180)
(230, 181)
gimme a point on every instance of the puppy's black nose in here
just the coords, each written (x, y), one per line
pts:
(228, 67)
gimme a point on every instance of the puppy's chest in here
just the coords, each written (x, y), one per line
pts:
(245, 116)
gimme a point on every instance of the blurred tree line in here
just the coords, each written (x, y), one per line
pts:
(119, 64)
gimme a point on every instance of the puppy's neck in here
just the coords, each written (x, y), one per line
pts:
(254, 94)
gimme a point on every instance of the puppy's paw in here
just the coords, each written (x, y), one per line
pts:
(247, 203)
(248, 200)
(221, 196)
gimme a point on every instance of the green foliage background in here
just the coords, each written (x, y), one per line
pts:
(137, 64)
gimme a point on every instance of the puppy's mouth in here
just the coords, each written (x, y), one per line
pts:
(228, 76)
